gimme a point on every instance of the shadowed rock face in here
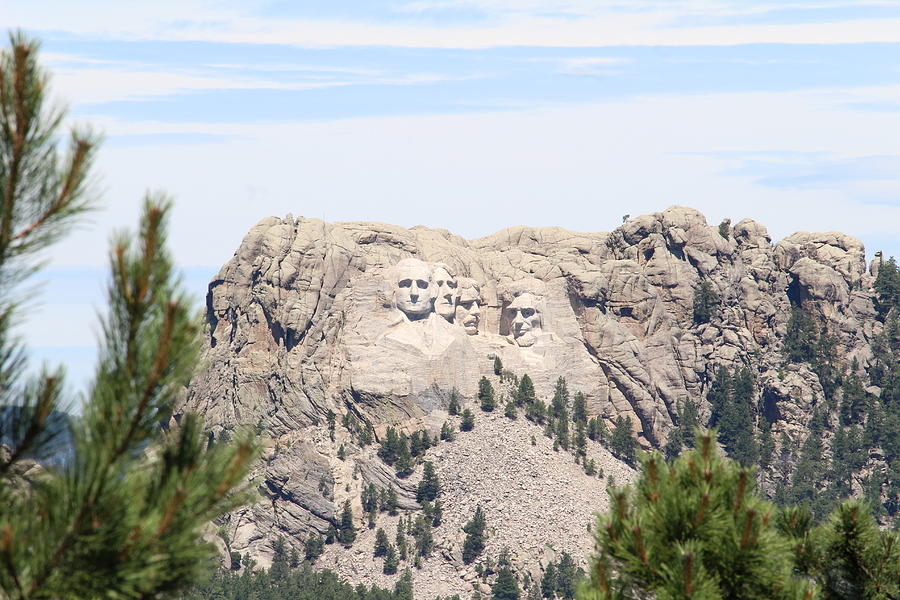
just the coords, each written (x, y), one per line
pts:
(378, 321)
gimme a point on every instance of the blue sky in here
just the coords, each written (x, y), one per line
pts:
(471, 115)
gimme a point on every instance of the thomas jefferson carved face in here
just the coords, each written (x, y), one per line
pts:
(468, 312)
(524, 319)
(414, 292)
(445, 301)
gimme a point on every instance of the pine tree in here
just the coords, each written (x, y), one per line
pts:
(468, 421)
(719, 395)
(381, 543)
(800, 337)
(404, 465)
(347, 532)
(683, 434)
(525, 392)
(391, 504)
(560, 403)
(568, 576)
(447, 433)
(389, 450)
(498, 365)
(403, 589)
(505, 587)
(313, 547)
(429, 487)
(548, 582)
(706, 303)
(510, 411)
(474, 542)
(391, 561)
(579, 408)
(736, 432)
(486, 395)
(887, 286)
(536, 411)
(694, 529)
(622, 444)
(453, 407)
(847, 555)
(580, 440)
(129, 491)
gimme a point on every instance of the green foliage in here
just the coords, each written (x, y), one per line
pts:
(313, 547)
(453, 407)
(548, 582)
(887, 286)
(732, 398)
(405, 464)
(597, 430)
(510, 411)
(505, 587)
(381, 543)
(423, 536)
(686, 425)
(475, 536)
(486, 395)
(389, 449)
(124, 516)
(847, 556)
(447, 432)
(694, 529)
(498, 365)
(346, 531)
(579, 408)
(622, 443)
(736, 430)
(559, 406)
(525, 395)
(391, 561)
(706, 303)
(292, 584)
(725, 228)
(429, 487)
(468, 421)
(800, 337)
(803, 342)
(330, 417)
(568, 576)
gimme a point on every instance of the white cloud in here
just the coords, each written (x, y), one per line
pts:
(579, 167)
(532, 23)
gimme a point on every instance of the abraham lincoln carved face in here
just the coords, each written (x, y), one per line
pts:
(525, 319)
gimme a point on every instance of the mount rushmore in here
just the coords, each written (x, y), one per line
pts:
(378, 324)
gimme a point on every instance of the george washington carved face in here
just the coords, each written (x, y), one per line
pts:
(468, 311)
(524, 319)
(414, 290)
(445, 289)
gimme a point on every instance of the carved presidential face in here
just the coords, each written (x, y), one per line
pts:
(468, 311)
(524, 319)
(445, 286)
(414, 292)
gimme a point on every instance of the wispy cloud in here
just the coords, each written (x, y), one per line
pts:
(573, 23)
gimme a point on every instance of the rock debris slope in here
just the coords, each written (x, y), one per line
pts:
(377, 324)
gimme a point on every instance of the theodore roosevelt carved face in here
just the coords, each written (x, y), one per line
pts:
(468, 311)
(445, 289)
(415, 291)
(525, 319)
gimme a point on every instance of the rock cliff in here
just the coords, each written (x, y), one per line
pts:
(376, 324)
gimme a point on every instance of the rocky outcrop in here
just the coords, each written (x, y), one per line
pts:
(377, 324)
